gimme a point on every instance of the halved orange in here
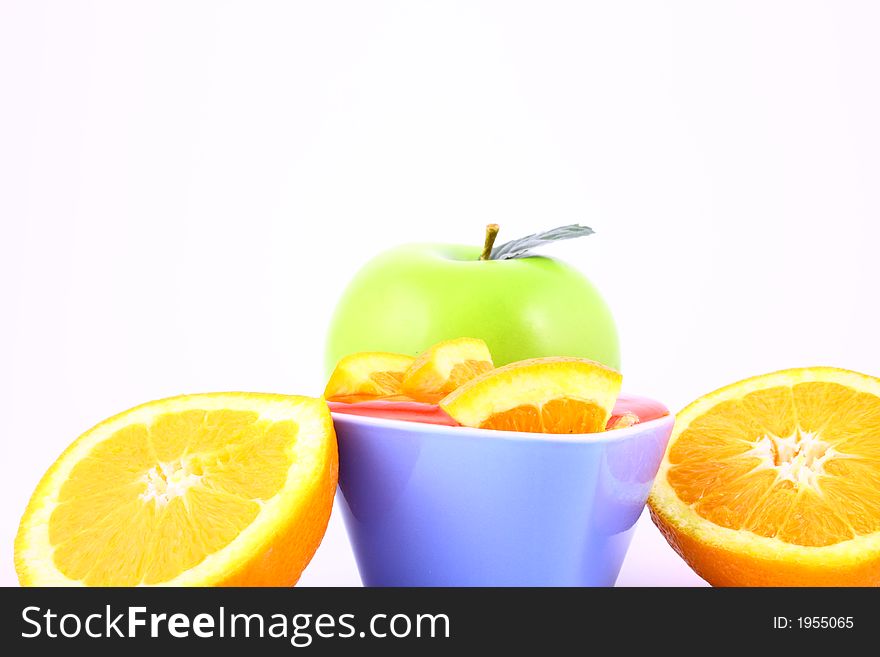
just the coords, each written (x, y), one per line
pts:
(213, 489)
(445, 366)
(540, 395)
(775, 481)
(368, 374)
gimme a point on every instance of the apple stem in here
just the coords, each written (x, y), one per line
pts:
(491, 234)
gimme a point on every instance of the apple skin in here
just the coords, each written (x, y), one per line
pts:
(415, 295)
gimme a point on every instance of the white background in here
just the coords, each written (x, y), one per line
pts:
(186, 187)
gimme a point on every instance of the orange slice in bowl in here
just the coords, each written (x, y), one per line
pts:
(442, 368)
(775, 481)
(215, 489)
(540, 395)
(367, 374)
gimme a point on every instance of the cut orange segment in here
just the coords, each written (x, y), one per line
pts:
(540, 395)
(775, 481)
(368, 374)
(214, 489)
(442, 368)
(624, 421)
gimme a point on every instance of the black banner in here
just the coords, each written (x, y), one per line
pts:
(331, 621)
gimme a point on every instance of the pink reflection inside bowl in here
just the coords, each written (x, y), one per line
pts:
(628, 410)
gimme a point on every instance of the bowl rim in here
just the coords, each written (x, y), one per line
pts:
(602, 437)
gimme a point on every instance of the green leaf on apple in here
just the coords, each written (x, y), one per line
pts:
(522, 247)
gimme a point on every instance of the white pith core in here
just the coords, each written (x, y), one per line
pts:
(799, 458)
(166, 481)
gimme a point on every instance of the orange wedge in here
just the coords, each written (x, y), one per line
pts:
(775, 481)
(442, 368)
(541, 395)
(215, 489)
(368, 374)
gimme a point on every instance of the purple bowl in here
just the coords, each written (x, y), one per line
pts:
(430, 505)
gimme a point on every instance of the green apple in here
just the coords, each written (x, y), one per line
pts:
(412, 296)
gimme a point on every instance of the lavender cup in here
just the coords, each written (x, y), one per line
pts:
(429, 505)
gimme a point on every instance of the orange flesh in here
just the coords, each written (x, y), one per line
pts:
(461, 373)
(360, 399)
(387, 382)
(464, 372)
(157, 500)
(799, 463)
(556, 416)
